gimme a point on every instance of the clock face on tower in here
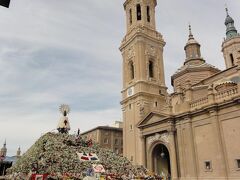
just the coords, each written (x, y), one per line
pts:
(130, 91)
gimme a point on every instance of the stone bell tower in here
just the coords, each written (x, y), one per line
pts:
(144, 87)
(3, 151)
(231, 44)
(18, 154)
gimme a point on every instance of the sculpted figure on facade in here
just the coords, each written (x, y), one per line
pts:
(164, 138)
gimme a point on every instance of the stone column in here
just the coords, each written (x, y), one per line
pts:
(188, 91)
(190, 157)
(143, 143)
(124, 132)
(211, 98)
(179, 93)
(222, 166)
(179, 139)
(148, 155)
(173, 156)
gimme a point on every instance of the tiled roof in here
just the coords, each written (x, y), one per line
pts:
(192, 66)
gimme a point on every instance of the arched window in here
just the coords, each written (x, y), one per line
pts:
(148, 14)
(150, 69)
(232, 59)
(132, 70)
(130, 16)
(139, 13)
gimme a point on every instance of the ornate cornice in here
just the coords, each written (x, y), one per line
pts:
(142, 32)
(187, 116)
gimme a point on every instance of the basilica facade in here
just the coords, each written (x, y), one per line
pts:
(192, 133)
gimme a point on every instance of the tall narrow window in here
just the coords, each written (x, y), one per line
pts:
(150, 69)
(232, 60)
(130, 16)
(131, 70)
(139, 13)
(238, 163)
(148, 13)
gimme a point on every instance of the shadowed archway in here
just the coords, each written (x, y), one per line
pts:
(161, 160)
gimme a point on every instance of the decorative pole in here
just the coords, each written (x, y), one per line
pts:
(63, 125)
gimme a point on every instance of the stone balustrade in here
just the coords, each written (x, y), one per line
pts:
(223, 95)
(199, 102)
(217, 98)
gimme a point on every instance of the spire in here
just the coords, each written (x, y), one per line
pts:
(19, 151)
(191, 39)
(229, 23)
(3, 151)
(190, 32)
(192, 48)
(5, 144)
(226, 8)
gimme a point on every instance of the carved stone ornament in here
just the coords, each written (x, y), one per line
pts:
(151, 51)
(168, 100)
(140, 29)
(131, 53)
(142, 110)
(158, 137)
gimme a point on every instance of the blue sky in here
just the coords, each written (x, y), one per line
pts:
(58, 51)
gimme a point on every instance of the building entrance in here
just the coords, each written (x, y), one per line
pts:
(161, 161)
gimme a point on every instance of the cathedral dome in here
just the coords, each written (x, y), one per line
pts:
(192, 48)
(192, 41)
(229, 20)
(195, 66)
